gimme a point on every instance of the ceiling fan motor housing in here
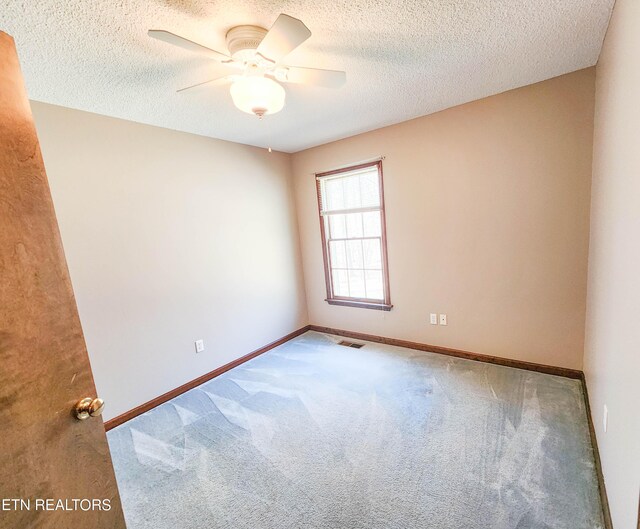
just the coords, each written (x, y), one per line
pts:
(242, 41)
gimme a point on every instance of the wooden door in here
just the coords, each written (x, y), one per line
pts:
(49, 460)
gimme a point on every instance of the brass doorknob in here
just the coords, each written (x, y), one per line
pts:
(88, 407)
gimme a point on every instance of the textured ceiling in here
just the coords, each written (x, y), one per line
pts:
(403, 58)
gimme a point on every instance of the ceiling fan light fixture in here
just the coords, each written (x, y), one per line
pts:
(257, 95)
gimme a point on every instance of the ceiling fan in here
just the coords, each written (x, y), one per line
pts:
(256, 56)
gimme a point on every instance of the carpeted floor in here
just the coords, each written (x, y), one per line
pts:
(317, 435)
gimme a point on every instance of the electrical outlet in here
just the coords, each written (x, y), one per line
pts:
(443, 319)
(433, 319)
(605, 418)
(199, 346)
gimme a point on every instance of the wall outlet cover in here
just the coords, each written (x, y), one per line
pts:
(443, 319)
(199, 346)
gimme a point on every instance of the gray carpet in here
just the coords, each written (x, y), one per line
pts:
(317, 435)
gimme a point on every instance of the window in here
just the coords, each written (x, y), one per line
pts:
(354, 245)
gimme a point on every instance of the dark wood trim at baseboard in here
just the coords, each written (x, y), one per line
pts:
(138, 410)
(596, 456)
(519, 364)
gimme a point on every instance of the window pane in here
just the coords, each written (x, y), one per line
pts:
(337, 226)
(337, 254)
(371, 222)
(333, 196)
(356, 284)
(369, 189)
(340, 283)
(354, 254)
(354, 225)
(372, 253)
(373, 279)
(352, 192)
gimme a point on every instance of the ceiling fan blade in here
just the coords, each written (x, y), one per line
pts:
(314, 76)
(286, 34)
(187, 44)
(211, 82)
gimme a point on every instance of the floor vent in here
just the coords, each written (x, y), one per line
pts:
(351, 344)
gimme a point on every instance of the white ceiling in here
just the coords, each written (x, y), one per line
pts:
(403, 58)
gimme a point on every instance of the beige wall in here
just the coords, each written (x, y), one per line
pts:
(612, 349)
(487, 221)
(170, 238)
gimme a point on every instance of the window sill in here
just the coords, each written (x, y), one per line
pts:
(360, 304)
